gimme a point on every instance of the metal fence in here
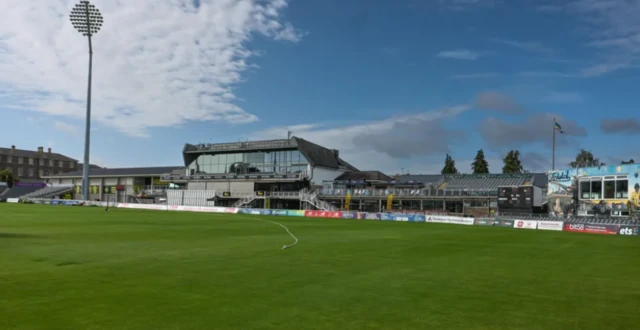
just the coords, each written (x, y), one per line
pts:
(409, 192)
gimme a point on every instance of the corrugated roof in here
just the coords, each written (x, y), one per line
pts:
(34, 154)
(423, 178)
(321, 156)
(364, 175)
(120, 172)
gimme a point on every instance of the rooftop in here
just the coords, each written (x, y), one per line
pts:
(40, 153)
(118, 172)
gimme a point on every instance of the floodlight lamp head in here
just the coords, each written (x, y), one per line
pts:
(86, 18)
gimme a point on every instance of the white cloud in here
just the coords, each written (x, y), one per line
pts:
(66, 128)
(157, 63)
(344, 138)
(530, 46)
(615, 31)
(460, 54)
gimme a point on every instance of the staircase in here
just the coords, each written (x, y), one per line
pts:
(244, 200)
(312, 198)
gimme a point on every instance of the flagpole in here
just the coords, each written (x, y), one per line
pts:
(553, 158)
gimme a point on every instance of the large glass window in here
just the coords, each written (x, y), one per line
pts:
(585, 190)
(291, 161)
(622, 188)
(610, 189)
(596, 189)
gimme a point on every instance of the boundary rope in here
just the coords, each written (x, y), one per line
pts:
(281, 225)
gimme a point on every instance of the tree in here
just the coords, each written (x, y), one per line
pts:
(449, 166)
(585, 158)
(512, 164)
(629, 162)
(480, 165)
(7, 176)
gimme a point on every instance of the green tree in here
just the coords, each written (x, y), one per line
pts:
(628, 162)
(480, 165)
(7, 176)
(585, 158)
(449, 166)
(512, 164)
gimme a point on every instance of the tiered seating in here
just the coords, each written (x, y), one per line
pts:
(47, 192)
(17, 192)
(483, 183)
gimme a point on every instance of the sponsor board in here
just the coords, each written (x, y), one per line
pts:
(65, 202)
(387, 217)
(349, 215)
(417, 218)
(370, 216)
(591, 228)
(13, 200)
(279, 212)
(322, 214)
(295, 213)
(629, 230)
(142, 206)
(483, 222)
(204, 209)
(550, 225)
(525, 224)
(449, 219)
(503, 223)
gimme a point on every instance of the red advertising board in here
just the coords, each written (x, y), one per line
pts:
(322, 214)
(591, 228)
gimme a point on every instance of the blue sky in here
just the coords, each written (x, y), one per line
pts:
(395, 85)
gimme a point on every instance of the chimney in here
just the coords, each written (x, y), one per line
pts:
(49, 150)
(40, 150)
(336, 153)
(13, 149)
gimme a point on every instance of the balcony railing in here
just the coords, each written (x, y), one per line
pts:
(232, 176)
(408, 192)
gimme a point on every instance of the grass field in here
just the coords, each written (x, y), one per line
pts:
(84, 268)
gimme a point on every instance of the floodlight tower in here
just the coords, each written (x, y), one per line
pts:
(86, 18)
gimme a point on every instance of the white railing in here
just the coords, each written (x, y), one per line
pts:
(243, 201)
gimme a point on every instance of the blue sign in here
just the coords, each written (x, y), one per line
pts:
(349, 215)
(418, 218)
(254, 211)
(279, 212)
(388, 217)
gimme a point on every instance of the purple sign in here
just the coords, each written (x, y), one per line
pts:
(30, 184)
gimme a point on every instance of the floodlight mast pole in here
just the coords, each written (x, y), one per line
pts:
(87, 132)
(87, 20)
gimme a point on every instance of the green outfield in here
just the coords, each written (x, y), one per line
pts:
(83, 268)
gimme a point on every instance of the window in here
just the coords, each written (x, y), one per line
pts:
(51, 162)
(9, 159)
(20, 160)
(41, 162)
(41, 173)
(31, 173)
(622, 188)
(20, 171)
(609, 189)
(30, 161)
(71, 165)
(596, 189)
(585, 190)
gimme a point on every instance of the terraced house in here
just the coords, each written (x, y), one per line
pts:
(29, 164)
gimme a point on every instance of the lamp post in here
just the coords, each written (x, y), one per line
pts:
(86, 18)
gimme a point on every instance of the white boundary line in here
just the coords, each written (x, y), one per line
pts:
(281, 225)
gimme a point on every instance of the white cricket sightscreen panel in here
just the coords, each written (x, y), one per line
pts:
(190, 197)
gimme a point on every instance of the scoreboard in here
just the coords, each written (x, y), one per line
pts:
(516, 199)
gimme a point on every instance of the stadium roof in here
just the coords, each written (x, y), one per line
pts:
(317, 155)
(364, 175)
(34, 154)
(421, 178)
(118, 172)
